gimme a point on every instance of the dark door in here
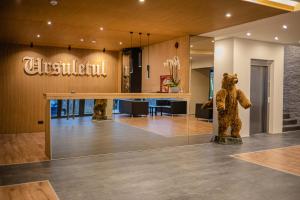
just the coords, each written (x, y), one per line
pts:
(259, 99)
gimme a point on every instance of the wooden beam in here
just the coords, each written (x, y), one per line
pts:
(273, 4)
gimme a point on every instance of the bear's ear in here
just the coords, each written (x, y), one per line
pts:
(225, 74)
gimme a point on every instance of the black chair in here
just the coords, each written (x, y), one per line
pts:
(133, 107)
(206, 113)
(172, 107)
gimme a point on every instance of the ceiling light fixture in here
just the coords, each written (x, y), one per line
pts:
(228, 15)
(81, 40)
(248, 34)
(140, 51)
(94, 41)
(276, 38)
(38, 35)
(148, 65)
(101, 28)
(213, 41)
(121, 43)
(130, 59)
(53, 2)
(191, 46)
(284, 26)
(49, 22)
(141, 1)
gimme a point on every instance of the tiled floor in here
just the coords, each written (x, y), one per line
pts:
(191, 172)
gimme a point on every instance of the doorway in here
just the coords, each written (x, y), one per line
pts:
(259, 93)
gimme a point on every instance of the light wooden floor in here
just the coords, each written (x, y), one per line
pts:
(283, 159)
(41, 190)
(22, 148)
(168, 126)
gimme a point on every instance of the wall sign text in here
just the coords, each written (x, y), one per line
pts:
(37, 66)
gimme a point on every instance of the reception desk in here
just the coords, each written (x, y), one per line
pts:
(110, 96)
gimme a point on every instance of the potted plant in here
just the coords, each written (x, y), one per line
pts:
(173, 65)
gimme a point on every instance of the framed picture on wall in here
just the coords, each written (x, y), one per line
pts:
(164, 81)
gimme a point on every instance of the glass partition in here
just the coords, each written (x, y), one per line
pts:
(129, 125)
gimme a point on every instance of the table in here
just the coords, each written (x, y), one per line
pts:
(153, 109)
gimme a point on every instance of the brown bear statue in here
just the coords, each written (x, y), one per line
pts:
(100, 109)
(227, 106)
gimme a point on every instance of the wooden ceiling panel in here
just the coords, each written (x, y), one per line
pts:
(21, 20)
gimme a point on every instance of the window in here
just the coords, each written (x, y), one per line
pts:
(211, 84)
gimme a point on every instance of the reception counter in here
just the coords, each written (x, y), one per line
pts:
(57, 96)
(109, 96)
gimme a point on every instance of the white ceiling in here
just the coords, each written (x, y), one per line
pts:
(265, 30)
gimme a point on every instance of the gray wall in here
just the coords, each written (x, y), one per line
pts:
(291, 90)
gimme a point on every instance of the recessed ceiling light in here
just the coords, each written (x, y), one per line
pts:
(213, 41)
(191, 46)
(93, 41)
(38, 35)
(248, 34)
(53, 2)
(276, 38)
(191, 58)
(49, 22)
(81, 40)
(142, 1)
(228, 15)
(284, 26)
(101, 28)
(120, 43)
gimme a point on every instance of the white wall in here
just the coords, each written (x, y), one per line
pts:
(199, 87)
(234, 56)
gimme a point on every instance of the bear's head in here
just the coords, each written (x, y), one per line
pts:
(229, 81)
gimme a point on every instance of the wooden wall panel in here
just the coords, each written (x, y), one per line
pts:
(158, 54)
(22, 103)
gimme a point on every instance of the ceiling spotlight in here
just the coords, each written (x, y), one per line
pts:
(49, 22)
(213, 41)
(248, 34)
(38, 35)
(101, 28)
(142, 1)
(81, 40)
(191, 46)
(284, 26)
(228, 15)
(191, 58)
(120, 43)
(94, 41)
(276, 38)
(53, 2)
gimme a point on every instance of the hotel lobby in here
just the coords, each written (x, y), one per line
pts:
(149, 99)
